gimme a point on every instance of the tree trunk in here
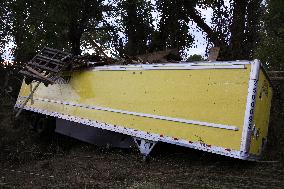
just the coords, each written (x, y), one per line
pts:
(75, 34)
(131, 28)
(237, 30)
(252, 35)
(75, 45)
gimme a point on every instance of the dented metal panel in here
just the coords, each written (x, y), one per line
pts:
(157, 102)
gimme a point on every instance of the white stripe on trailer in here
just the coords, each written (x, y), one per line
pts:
(166, 118)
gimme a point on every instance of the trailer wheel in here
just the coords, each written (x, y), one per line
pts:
(41, 125)
(45, 126)
(33, 121)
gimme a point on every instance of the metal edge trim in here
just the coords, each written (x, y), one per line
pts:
(167, 67)
(250, 108)
(145, 135)
(181, 63)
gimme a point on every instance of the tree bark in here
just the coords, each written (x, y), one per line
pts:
(131, 29)
(252, 35)
(75, 45)
(238, 30)
(75, 34)
(78, 24)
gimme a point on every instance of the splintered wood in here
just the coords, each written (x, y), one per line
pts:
(30, 97)
(276, 75)
(214, 53)
(46, 66)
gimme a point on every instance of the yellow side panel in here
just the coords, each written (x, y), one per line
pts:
(261, 116)
(214, 96)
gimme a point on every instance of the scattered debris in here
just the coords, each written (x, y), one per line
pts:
(170, 55)
(48, 65)
(276, 75)
(214, 53)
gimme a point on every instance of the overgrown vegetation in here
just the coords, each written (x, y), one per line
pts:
(271, 45)
(243, 29)
(141, 26)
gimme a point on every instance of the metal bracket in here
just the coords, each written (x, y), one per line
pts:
(145, 146)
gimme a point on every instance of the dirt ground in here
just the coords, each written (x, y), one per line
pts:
(30, 161)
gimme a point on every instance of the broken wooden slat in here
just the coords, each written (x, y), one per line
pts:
(39, 74)
(276, 72)
(277, 78)
(35, 77)
(27, 100)
(45, 68)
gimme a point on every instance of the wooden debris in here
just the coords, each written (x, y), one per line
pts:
(276, 75)
(277, 78)
(267, 161)
(101, 51)
(214, 53)
(27, 100)
(160, 56)
(39, 74)
(46, 66)
(276, 72)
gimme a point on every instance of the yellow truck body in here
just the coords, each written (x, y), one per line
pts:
(218, 107)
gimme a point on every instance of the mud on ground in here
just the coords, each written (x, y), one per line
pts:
(30, 161)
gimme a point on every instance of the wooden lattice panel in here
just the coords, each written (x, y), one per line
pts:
(46, 66)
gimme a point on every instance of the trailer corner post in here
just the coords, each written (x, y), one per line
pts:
(250, 108)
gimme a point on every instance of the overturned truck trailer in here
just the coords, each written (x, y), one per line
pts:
(218, 107)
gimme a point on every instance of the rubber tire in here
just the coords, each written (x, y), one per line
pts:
(41, 126)
(33, 121)
(45, 126)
